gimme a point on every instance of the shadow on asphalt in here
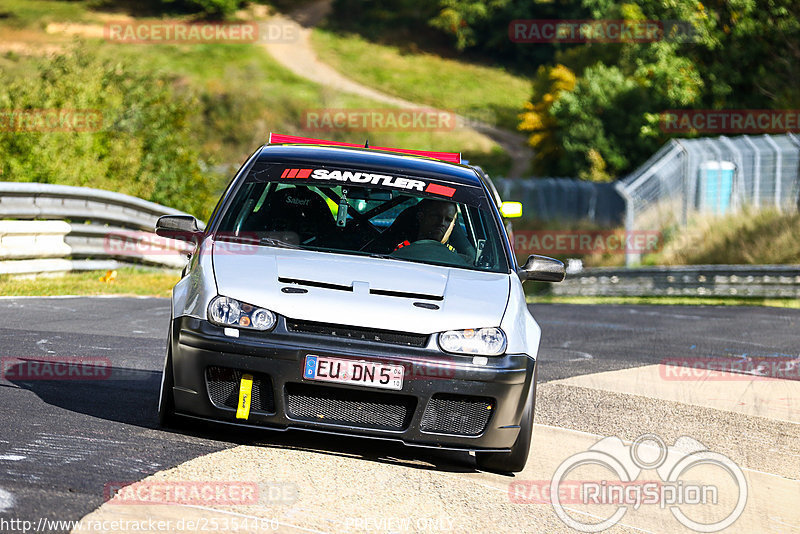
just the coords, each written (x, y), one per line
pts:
(127, 396)
(130, 396)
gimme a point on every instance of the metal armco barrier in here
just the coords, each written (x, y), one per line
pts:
(58, 228)
(769, 281)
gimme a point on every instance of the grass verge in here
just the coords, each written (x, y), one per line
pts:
(747, 237)
(129, 281)
(38, 13)
(485, 93)
(667, 301)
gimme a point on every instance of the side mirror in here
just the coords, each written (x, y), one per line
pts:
(183, 227)
(542, 269)
(511, 210)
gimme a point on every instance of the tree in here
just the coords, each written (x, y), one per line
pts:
(144, 145)
(609, 121)
(548, 86)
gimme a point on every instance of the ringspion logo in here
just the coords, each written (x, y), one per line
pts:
(691, 478)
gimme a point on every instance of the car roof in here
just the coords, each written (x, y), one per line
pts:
(370, 159)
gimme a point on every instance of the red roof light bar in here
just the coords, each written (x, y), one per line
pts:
(451, 157)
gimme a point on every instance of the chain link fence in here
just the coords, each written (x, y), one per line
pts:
(713, 176)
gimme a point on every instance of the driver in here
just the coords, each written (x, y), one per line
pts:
(435, 221)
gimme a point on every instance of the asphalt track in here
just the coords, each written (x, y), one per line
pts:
(63, 441)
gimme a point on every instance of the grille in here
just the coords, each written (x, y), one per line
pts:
(349, 407)
(223, 389)
(457, 414)
(352, 332)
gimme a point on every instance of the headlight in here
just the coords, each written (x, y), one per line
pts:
(483, 341)
(226, 311)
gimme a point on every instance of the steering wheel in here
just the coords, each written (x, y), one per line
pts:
(430, 250)
(429, 242)
(423, 244)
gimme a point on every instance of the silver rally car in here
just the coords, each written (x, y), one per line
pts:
(358, 291)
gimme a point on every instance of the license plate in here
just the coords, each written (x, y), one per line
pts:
(371, 374)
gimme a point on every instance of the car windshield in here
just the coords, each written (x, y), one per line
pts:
(402, 218)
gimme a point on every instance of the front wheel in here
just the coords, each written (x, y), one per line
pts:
(166, 400)
(513, 461)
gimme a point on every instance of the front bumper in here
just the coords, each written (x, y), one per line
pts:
(440, 391)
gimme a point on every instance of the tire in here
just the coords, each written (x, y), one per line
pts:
(513, 461)
(166, 400)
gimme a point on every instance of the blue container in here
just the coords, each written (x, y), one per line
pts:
(716, 179)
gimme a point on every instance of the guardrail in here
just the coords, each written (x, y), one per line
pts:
(57, 228)
(769, 281)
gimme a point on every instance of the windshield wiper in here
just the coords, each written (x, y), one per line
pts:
(253, 240)
(271, 241)
(390, 257)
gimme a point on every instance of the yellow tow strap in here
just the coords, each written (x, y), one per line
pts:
(245, 391)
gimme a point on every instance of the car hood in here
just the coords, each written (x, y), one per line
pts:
(361, 291)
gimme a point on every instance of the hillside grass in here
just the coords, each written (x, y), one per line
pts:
(247, 95)
(748, 237)
(38, 13)
(242, 93)
(489, 94)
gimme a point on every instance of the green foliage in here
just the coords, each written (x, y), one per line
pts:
(611, 118)
(211, 9)
(475, 29)
(548, 85)
(600, 112)
(375, 19)
(459, 18)
(144, 146)
(737, 54)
